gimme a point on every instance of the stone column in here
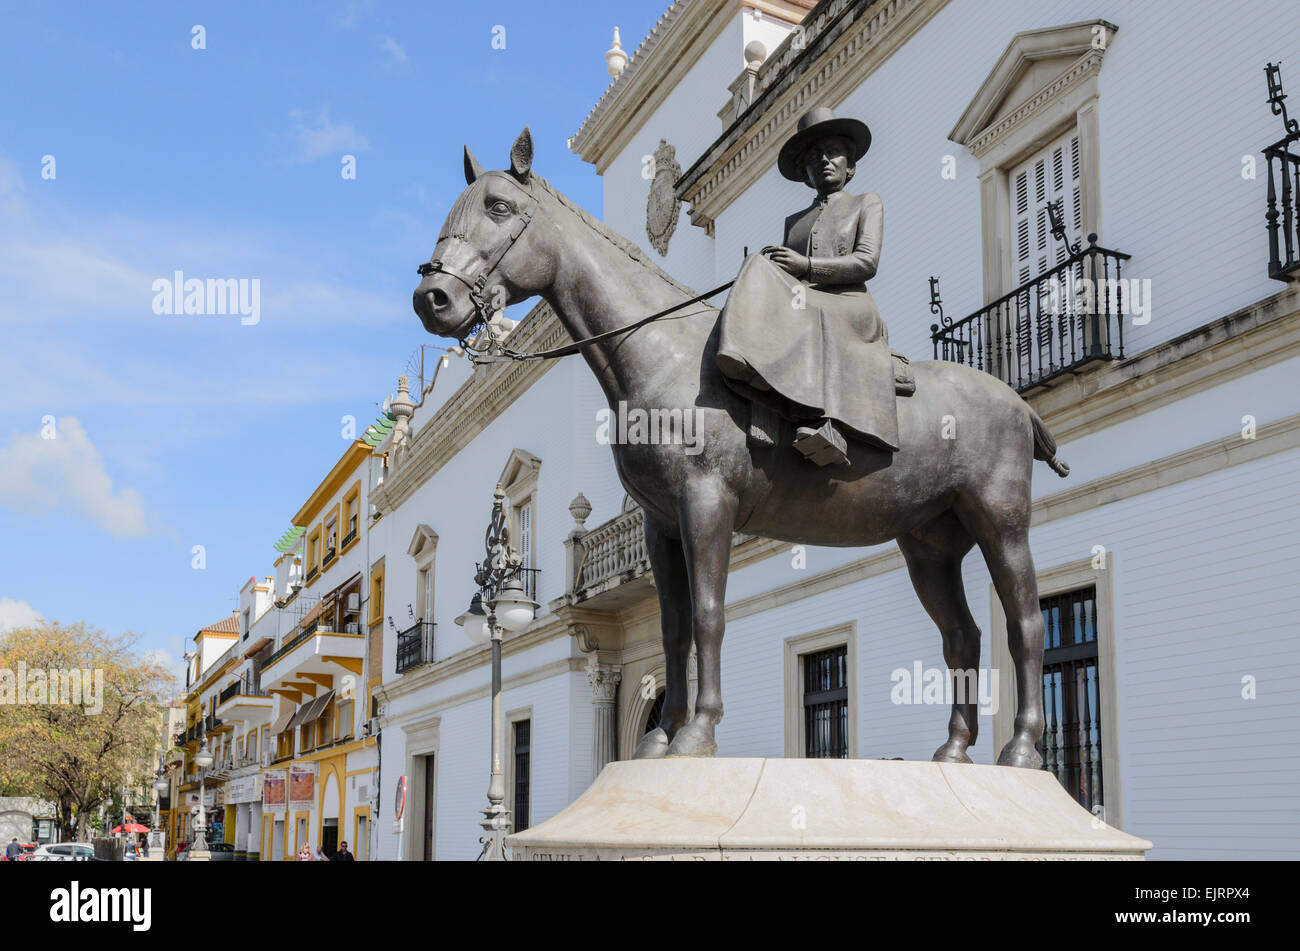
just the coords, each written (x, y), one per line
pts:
(604, 680)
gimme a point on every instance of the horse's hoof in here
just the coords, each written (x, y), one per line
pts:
(654, 745)
(693, 740)
(1020, 753)
(950, 753)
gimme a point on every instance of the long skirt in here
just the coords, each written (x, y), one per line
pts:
(809, 351)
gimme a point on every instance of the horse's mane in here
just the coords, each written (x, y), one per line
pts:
(610, 235)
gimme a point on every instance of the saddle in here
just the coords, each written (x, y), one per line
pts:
(764, 422)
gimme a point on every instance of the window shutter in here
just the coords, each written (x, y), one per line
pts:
(1046, 176)
(526, 533)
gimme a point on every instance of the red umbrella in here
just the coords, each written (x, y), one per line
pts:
(134, 827)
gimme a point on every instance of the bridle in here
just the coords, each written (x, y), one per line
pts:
(494, 352)
(477, 286)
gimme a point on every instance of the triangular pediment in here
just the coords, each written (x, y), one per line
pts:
(518, 468)
(423, 541)
(1031, 61)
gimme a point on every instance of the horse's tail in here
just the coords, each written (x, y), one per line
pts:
(1045, 446)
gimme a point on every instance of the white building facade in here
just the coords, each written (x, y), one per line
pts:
(1164, 559)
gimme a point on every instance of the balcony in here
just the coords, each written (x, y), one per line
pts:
(613, 554)
(1058, 322)
(245, 701)
(415, 646)
(313, 650)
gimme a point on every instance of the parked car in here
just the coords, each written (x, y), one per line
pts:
(65, 852)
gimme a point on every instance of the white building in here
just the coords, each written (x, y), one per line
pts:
(1165, 560)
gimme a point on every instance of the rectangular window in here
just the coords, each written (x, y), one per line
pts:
(343, 714)
(331, 539)
(351, 515)
(826, 704)
(376, 596)
(1071, 745)
(313, 556)
(523, 773)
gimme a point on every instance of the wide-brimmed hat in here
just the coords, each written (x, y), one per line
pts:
(818, 123)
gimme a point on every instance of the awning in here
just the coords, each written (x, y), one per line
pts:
(256, 646)
(311, 710)
(282, 723)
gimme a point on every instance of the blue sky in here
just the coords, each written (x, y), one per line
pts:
(175, 431)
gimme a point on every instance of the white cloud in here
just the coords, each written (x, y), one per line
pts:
(314, 139)
(39, 475)
(14, 614)
(396, 55)
(167, 661)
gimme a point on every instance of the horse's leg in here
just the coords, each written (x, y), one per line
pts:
(1012, 566)
(707, 516)
(934, 563)
(668, 562)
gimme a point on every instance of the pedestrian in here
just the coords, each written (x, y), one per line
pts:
(12, 851)
(320, 854)
(343, 855)
(144, 845)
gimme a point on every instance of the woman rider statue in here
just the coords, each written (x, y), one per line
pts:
(801, 333)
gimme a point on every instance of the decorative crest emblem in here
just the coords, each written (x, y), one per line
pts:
(663, 206)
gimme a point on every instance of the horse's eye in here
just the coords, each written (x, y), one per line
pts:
(500, 208)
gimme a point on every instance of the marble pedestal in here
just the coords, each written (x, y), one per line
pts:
(801, 809)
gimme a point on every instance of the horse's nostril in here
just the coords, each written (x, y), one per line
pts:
(438, 298)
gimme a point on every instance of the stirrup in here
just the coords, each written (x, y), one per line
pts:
(822, 445)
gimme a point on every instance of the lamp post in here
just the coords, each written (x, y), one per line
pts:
(202, 759)
(160, 786)
(499, 605)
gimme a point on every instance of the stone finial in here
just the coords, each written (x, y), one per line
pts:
(402, 405)
(755, 53)
(579, 508)
(615, 58)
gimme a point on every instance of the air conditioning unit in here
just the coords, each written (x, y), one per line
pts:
(354, 601)
(372, 726)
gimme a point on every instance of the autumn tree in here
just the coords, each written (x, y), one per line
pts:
(81, 716)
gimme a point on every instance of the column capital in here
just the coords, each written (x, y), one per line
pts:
(604, 680)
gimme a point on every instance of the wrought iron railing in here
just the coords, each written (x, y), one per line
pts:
(613, 549)
(415, 645)
(1069, 315)
(246, 686)
(312, 573)
(1283, 167)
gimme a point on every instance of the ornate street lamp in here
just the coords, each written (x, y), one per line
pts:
(202, 759)
(500, 605)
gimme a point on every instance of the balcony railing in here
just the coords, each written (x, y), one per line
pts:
(245, 686)
(613, 550)
(313, 573)
(1065, 317)
(415, 645)
(1283, 167)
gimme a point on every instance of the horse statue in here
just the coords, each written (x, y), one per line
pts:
(510, 236)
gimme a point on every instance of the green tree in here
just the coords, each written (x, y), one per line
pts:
(76, 755)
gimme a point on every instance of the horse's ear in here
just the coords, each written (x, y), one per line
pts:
(472, 168)
(521, 154)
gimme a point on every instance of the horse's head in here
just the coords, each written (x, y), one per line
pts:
(486, 256)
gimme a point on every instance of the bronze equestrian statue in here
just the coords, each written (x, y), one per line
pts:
(960, 476)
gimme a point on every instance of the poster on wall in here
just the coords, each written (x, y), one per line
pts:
(302, 784)
(273, 792)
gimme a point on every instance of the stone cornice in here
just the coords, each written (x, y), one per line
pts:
(656, 68)
(843, 44)
(681, 36)
(480, 399)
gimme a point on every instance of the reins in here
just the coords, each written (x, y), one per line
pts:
(577, 345)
